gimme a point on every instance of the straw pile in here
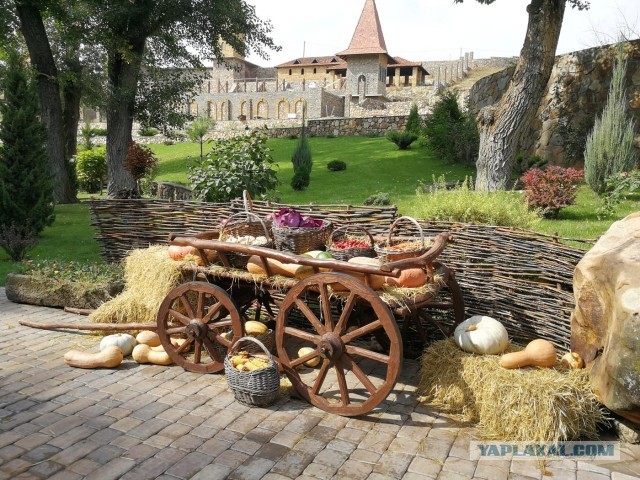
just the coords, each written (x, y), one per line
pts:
(529, 404)
(150, 274)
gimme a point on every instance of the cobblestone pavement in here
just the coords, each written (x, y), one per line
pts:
(138, 422)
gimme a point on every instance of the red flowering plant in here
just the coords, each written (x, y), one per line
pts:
(551, 189)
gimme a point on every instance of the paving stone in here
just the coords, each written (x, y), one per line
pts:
(254, 468)
(190, 465)
(65, 475)
(41, 453)
(365, 456)
(72, 437)
(460, 466)
(84, 466)
(9, 438)
(45, 469)
(292, 464)
(101, 421)
(287, 439)
(150, 469)
(148, 428)
(125, 442)
(112, 470)
(105, 436)
(214, 447)
(492, 469)
(9, 452)
(302, 423)
(75, 452)
(353, 435)
(393, 464)
(376, 441)
(318, 470)
(126, 424)
(331, 458)
(228, 436)
(32, 441)
(271, 451)
(310, 445)
(104, 454)
(589, 475)
(188, 442)
(354, 470)
(231, 458)
(213, 472)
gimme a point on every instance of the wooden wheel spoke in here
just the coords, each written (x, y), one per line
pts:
(200, 307)
(175, 331)
(186, 345)
(346, 313)
(180, 317)
(368, 328)
(360, 375)
(322, 374)
(306, 311)
(197, 352)
(218, 325)
(295, 332)
(326, 307)
(363, 352)
(304, 358)
(212, 311)
(223, 341)
(342, 383)
(187, 306)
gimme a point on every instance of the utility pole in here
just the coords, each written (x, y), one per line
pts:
(304, 47)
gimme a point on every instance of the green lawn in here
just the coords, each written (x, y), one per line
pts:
(69, 238)
(373, 165)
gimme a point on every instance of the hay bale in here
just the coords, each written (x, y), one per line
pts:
(528, 404)
(150, 274)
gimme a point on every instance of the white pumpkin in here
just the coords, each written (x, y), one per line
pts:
(481, 334)
(124, 341)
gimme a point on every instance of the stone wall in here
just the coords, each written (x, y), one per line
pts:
(577, 92)
(374, 71)
(331, 105)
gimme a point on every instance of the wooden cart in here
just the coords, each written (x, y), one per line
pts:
(350, 327)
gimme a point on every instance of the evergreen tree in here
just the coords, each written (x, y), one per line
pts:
(414, 122)
(26, 186)
(609, 148)
(302, 160)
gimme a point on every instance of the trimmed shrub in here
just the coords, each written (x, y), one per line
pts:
(379, 199)
(91, 169)
(403, 140)
(609, 148)
(300, 181)
(464, 204)
(26, 187)
(551, 189)
(148, 132)
(336, 165)
(233, 165)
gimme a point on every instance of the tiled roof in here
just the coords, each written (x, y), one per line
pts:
(403, 62)
(368, 37)
(333, 60)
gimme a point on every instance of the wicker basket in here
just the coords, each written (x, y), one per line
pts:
(385, 250)
(240, 224)
(342, 233)
(258, 388)
(299, 239)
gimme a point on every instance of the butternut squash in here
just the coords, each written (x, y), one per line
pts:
(409, 278)
(147, 337)
(176, 342)
(254, 265)
(538, 353)
(375, 281)
(143, 354)
(110, 357)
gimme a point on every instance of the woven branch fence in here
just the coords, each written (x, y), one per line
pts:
(524, 279)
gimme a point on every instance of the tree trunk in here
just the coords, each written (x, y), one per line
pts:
(72, 94)
(123, 82)
(35, 36)
(503, 124)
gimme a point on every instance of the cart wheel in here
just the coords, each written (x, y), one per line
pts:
(353, 376)
(200, 313)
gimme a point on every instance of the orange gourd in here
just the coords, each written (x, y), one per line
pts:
(409, 278)
(178, 253)
(538, 353)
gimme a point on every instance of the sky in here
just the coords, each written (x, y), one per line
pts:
(422, 30)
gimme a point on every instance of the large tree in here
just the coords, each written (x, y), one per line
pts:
(502, 125)
(31, 25)
(139, 36)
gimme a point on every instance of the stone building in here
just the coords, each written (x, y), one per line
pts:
(327, 85)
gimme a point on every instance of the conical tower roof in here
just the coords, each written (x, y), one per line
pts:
(368, 37)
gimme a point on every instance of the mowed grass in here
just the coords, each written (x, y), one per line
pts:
(71, 237)
(373, 165)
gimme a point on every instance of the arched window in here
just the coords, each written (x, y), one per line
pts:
(289, 71)
(302, 71)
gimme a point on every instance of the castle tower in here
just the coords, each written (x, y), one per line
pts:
(367, 56)
(228, 51)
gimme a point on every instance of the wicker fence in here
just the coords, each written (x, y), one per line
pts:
(524, 279)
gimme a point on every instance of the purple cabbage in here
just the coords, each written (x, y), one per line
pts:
(289, 217)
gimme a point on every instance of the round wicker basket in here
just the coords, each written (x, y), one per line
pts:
(390, 251)
(301, 240)
(342, 233)
(241, 224)
(258, 388)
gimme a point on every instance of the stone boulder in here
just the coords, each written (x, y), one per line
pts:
(605, 325)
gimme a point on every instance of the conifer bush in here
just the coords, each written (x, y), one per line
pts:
(414, 122)
(302, 162)
(403, 140)
(26, 186)
(609, 149)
